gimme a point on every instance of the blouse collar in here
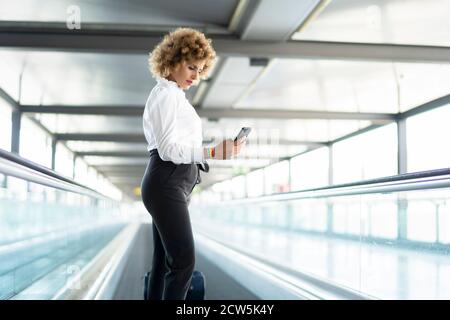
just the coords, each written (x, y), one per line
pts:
(170, 84)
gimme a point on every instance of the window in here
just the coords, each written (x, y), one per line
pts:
(427, 136)
(422, 221)
(277, 177)
(5, 126)
(255, 183)
(64, 160)
(369, 155)
(382, 219)
(81, 171)
(238, 187)
(310, 170)
(35, 144)
(223, 189)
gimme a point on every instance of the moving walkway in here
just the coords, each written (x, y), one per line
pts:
(386, 238)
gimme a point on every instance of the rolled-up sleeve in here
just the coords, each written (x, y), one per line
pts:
(162, 115)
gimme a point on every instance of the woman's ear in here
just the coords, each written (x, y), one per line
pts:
(170, 71)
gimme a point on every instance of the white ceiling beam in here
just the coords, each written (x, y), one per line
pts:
(85, 40)
(215, 113)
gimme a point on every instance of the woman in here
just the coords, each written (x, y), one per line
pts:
(173, 131)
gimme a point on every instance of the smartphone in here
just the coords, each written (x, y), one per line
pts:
(243, 133)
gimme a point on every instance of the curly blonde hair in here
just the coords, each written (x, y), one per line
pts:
(183, 44)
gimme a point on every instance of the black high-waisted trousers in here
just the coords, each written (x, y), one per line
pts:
(165, 190)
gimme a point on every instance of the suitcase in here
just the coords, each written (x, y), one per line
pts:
(196, 289)
(146, 284)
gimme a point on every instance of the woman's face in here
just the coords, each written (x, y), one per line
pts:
(187, 73)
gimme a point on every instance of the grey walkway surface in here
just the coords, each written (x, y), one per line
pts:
(219, 285)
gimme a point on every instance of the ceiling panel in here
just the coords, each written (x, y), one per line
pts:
(80, 78)
(86, 146)
(271, 131)
(163, 12)
(350, 86)
(101, 161)
(58, 123)
(412, 22)
(68, 78)
(234, 78)
(237, 70)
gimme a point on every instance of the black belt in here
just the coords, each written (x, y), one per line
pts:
(204, 166)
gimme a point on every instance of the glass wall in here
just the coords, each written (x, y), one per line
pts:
(35, 144)
(5, 126)
(310, 170)
(48, 235)
(387, 246)
(107, 188)
(255, 183)
(64, 160)
(366, 156)
(81, 171)
(427, 138)
(92, 178)
(238, 187)
(223, 189)
(276, 177)
(11, 66)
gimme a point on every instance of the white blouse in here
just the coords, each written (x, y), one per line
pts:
(172, 125)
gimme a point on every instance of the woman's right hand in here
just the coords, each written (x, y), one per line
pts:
(227, 149)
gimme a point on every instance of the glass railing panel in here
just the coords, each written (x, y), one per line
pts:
(383, 245)
(47, 234)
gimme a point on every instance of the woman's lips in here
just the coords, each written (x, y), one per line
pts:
(189, 81)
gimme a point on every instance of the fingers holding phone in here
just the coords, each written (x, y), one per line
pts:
(238, 145)
(228, 149)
